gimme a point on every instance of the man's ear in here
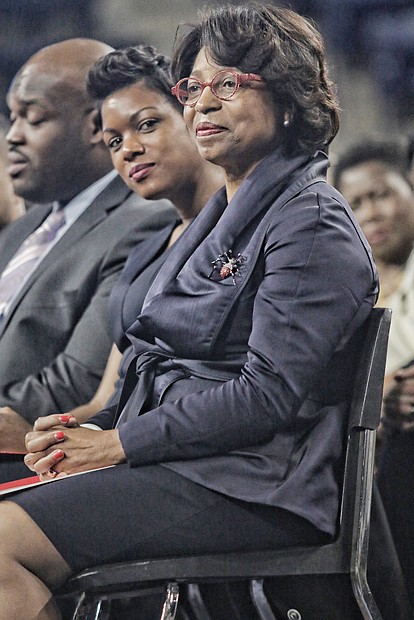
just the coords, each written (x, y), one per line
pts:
(94, 121)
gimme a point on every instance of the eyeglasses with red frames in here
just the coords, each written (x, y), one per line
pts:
(224, 85)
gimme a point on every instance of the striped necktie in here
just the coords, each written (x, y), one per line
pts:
(26, 257)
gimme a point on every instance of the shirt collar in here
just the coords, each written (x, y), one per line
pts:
(81, 202)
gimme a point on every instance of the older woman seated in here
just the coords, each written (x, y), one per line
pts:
(229, 431)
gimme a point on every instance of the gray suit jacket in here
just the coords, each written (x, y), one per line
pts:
(55, 341)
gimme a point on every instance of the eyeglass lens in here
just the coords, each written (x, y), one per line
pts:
(224, 85)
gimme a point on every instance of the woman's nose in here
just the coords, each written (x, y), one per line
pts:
(207, 100)
(131, 149)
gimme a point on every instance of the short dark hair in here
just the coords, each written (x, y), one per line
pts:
(391, 152)
(127, 66)
(284, 48)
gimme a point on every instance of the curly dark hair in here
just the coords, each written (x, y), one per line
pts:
(127, 66)
(281, 46)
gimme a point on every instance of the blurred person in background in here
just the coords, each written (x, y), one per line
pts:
(374, 176)
(11, 205)
(410, 149)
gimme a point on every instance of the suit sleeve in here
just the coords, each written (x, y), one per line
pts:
(74, 374)
(318, 285)
(105, 418)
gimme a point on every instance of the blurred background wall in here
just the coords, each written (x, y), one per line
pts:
(370, 46)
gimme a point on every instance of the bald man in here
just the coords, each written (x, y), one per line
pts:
(54, 335)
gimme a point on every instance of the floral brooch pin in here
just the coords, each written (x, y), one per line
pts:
(228, 265)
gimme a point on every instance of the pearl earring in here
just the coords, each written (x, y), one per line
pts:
(286, 122)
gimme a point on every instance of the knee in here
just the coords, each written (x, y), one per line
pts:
(23, 544)
(12, 531)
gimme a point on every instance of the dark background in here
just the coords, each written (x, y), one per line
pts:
(370, 46)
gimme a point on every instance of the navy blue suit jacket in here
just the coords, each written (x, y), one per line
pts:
(250, 382)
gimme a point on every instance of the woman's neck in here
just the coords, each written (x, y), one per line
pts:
(195, 195)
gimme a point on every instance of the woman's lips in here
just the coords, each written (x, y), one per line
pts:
(139, 172)
(208, 129)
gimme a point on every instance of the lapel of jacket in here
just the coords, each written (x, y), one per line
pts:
(225, 224)
(114, 194)
(146, 251)
(14, 235)
(190, 239)
(240, 227)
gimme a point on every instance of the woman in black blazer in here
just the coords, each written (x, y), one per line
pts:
(128, 79)
(229, 430)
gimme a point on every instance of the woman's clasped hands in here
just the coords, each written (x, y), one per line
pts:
(58, 446)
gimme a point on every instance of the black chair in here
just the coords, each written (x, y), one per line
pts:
(344, 558)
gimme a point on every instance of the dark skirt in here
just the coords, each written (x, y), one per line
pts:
(123, 513)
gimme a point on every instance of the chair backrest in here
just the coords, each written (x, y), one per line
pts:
(364, 418)
(365, 409)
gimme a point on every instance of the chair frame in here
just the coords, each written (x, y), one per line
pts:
(346, 555)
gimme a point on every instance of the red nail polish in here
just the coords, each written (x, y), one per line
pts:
(59, 435)
(58, 454)
(64, 418)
